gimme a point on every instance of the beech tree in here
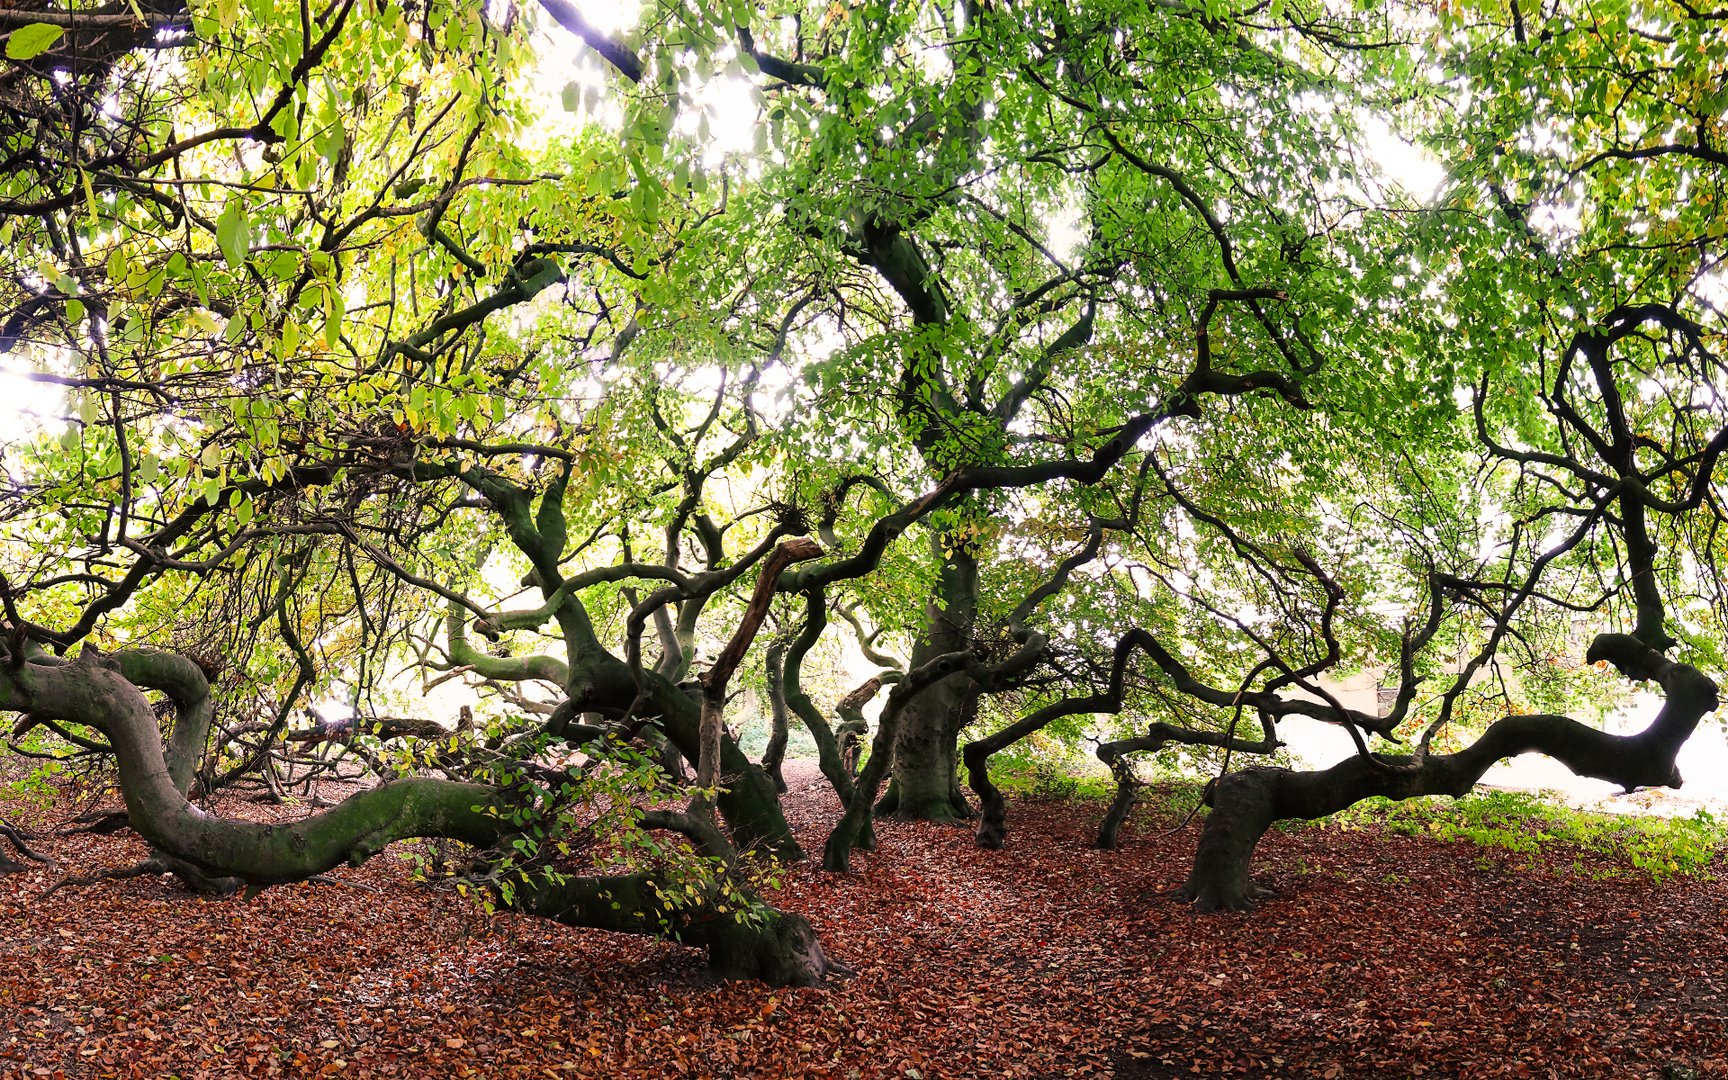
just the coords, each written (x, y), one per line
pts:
(286, 406)
(1544, 459)
(1067, 360)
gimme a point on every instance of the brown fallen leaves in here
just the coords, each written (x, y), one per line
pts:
(1382, 956)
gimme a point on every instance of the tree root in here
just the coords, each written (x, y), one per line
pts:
(326, 879)
(17, 837)
(120, 873)
(98, 822)
(158, 863)
(1216, 900)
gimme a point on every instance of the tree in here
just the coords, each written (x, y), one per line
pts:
(1591, 450)
(275, 337)
(346, 377)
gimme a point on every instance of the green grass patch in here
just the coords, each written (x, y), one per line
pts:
(1029, 776)
(1165, 799)
(1544, 831)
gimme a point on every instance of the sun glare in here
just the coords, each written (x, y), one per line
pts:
(611, 16)
(28, 409)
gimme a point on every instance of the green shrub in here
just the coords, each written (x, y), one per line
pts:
(1039, 776)
(32, 779)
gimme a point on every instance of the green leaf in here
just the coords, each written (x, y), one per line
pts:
(333, 305)
(233, 233)
(90, 203)
(30, 41)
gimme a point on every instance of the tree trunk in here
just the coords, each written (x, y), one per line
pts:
(830, 752)
(781, 949)
(1111, 827)
(926, 778)
(774, 755)
(716, 678)
(671, 761)
(854, 826)
(925, 783)
(748, 800)
(761, 942)
(1247, 803)
(855, 822)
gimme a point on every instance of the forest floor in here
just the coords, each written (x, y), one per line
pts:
(1382, 955)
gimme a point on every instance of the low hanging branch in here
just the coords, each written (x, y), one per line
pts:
(774, 946)
(714, 680)
(1245, 804)
(1160, 734)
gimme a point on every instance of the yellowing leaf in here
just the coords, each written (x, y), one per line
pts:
(30, 41)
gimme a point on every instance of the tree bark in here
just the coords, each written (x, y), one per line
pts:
(926, 782)
(763, 943)
(715, 679)
(1158, 734)
(747, 800)
(830, 754)
(185, 684)
(774, 755)
(855, 824)
(926, 778)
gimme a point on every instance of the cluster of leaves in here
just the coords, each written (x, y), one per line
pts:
(44, 752)
(586, 818)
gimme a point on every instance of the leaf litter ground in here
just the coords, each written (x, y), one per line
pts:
(1382, 955)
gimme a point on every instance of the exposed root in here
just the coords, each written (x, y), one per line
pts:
(1214, 899)
(158, 863)
(98, 822)
(326, 879)
(120, 873)
(17, 837)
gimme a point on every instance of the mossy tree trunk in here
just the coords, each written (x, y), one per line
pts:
(925, 784)
(92, 691)
(779, 731)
